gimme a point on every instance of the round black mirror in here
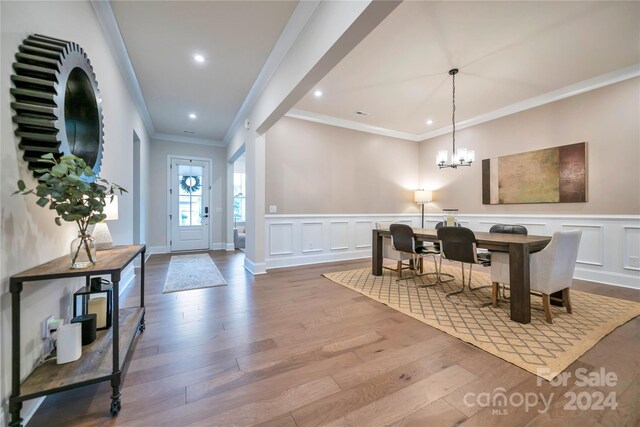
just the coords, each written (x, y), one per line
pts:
(57, 105)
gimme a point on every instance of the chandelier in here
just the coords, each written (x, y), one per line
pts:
(461, 156)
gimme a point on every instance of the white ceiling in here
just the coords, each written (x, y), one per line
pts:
(507, 52)
(161, 37)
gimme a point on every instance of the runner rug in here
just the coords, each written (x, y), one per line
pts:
(195, 271)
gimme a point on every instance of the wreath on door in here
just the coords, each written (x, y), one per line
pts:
(190, 184)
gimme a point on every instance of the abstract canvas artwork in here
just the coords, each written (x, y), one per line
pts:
(550, 175)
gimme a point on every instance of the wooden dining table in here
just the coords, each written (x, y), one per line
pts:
(516, 245)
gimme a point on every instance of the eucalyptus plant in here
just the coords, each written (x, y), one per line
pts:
(71, 189)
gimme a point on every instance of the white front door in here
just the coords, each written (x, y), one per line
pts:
(189, 195)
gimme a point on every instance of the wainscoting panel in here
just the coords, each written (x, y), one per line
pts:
(631, 253)
(339, 235)
(311, 237)
(591, 244)
(609, 249)
(281, 238)
(363, 234)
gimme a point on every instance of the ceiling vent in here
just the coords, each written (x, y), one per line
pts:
(362, 113)
(189, 132)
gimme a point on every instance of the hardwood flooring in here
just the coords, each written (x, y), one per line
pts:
(292, 348)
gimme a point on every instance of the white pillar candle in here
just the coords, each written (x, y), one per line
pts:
(451, 221)
(69, 343)
(98, 306)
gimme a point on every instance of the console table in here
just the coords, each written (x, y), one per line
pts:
(102, 360)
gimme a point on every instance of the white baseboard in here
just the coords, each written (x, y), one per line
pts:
(217, 246)
(127, 278)
(28, 411)
(255, 268)
(273, 263)
(152, 250)
(608, 277)
(230, 247)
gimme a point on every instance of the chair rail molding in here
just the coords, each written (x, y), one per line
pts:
(609, 249)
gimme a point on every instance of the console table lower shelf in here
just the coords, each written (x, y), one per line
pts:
(94, 366)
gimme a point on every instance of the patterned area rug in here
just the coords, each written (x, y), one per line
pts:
(196, 271)
(539, 347)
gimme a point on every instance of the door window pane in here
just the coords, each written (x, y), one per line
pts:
(190, 182)
(196, 210)
(184, 210)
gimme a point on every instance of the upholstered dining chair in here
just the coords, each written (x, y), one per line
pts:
(389, 253)
(551, 270)
(502, 258)
(459, 244)
(403, 240)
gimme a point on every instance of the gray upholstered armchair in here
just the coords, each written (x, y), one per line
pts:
(238, 237)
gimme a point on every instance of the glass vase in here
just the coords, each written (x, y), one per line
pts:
(450, 217)
(83, 251)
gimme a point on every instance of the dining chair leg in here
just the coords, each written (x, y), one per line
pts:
(494, 294)
(546, 304)
(399, 268)
(566, 299)
(416, 263)
(477, 287)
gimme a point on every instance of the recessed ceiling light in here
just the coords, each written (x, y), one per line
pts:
(429, 122)
(318, 93)
(198, 58)
(192, 116)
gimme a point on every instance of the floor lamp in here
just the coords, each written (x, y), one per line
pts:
(422, 197)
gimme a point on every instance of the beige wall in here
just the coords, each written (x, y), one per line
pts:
(606, 118)
(160, 150)
(318, 169)
(29, 234)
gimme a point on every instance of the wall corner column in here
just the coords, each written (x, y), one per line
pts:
(254, 260)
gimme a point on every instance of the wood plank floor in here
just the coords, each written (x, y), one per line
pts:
(291, 348)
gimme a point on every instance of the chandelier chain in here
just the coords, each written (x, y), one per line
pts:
(453, 114)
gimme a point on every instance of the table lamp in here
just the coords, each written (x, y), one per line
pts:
(422, 197)
(101, 231)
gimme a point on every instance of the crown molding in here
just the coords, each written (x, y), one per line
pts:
(187, 139)
(546, 98)
(111, 31)
(549, 97)
(295, 25)
(349, 124)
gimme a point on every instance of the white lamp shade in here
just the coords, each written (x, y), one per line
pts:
(422, 196)
(461, 155)
(471, 155)
(111, 209)
(442, 156)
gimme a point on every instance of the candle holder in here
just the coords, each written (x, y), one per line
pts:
(96, 298)
(450, 217)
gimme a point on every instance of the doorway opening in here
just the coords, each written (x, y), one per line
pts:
(189, 210)
(239, 203)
